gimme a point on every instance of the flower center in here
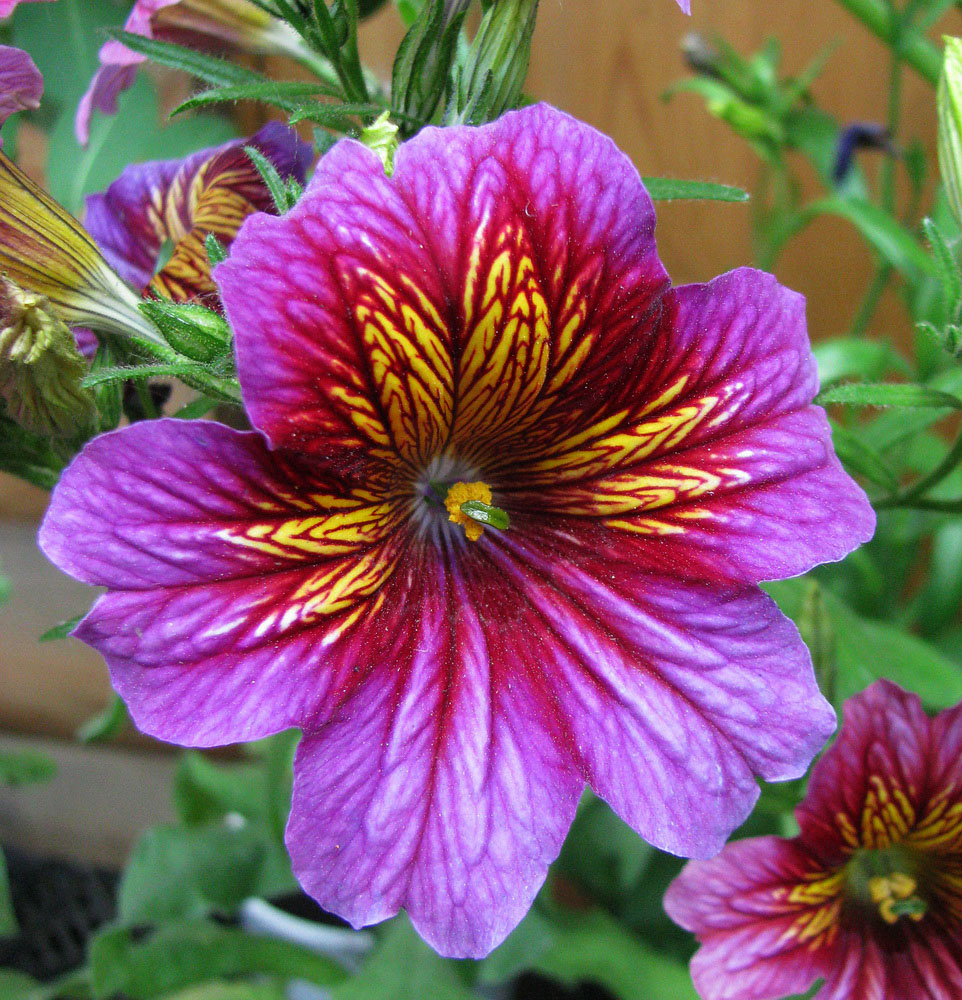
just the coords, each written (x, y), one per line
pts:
(469, 504)
(887, 880)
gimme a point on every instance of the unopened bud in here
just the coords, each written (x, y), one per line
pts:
(497, 63)
(381, 137)
(949, 103)
(40, 366)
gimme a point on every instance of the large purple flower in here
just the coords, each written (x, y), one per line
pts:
(21, 85)
(490, 323)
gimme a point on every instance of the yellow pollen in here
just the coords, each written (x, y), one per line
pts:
(460, 493)
(889, 890)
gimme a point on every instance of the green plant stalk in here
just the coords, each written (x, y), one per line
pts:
(917, 51)
(944, 468)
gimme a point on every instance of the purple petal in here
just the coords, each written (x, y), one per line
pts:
(441, 785)
(533, 179)
(686, 690)
(227, 584)
(151, 203)
(7, 7)
(21, 85)
(751, 925)
(733, 471)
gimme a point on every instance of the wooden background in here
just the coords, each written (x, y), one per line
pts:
(607, 62)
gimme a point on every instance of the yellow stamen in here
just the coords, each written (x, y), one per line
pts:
(889, 891)
(460, 493)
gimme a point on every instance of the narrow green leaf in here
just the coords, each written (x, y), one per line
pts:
(26, 767)
(271, 178)
(216, 251)
(854, 357)
(333, 115)
(894, 243)
(286, 94)
(61, 631)
(861, 458)
(209, 68)
(123, 373)
(195, 409)
(673, 189)
(905, 394)
(180, 955)
(106, 724)
(948, 267)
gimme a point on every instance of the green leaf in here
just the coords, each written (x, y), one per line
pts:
(221, 990)
(867, 650)
(401, 967)
(192, 330)
(593, 946)
(285, 94)
(903, 394)
(106, 724)
(207, 67)
(26, 767)
(8, 919)
(861, 458)
(181, 873)
(673, 189)
(19, 986)
(271, 178)
(894, 243)
(205, 792)
(4, 590)
(216, 252)
(62, 630)
(527, 943)
(947, 266)
(339, 116)
(179, 955)
(854, 357)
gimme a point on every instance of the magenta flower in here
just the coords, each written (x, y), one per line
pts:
(7, 7)
(869, 896)
(21, 84)
(204, 24)
(489, 326)
(179, 202)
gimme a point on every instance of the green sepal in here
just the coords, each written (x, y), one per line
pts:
(192, 330)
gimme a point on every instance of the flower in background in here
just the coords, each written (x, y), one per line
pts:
(43, 249)
(21, 85)
(204, 24)
(173, 205)
(488, 329)
(869, 896)
(7, 7)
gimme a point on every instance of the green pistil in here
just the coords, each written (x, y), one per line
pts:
(486, 514)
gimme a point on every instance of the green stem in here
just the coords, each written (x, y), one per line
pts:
(952, 458)
(917, 50)
(871, 300)
(900, 28)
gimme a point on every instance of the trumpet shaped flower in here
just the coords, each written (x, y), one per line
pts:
(486, 339)
(869, 897)
(204, 24)
(43, 249)
(177, 203)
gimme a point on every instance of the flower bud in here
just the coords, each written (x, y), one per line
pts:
(950, 124)
(497, 62)
(381, 137)
(40, 366)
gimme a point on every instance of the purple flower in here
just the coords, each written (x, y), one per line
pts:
(491, 322)
(204, 24)
(7, 7)
(21, 85)
(179, 202)
(869, 896)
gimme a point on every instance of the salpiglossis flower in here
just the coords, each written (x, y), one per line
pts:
(869, 896)
(204, 24)
(21, 85)
(494, 314)
(174, 204)
(7, 7)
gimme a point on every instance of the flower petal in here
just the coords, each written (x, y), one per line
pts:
(870, 788)
(724, 461)
(684, 690)
(515, 334)
(21, 85)
(438, 785)
(766, 919)
(181, 201)
(231, 573)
